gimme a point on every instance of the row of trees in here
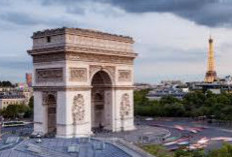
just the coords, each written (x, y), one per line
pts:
(18, 110)
(192, 105)
(159, 151)
(6, 84)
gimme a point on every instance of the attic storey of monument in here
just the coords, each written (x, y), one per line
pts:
(90, 73)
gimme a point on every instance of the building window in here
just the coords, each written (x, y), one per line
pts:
(48, 39)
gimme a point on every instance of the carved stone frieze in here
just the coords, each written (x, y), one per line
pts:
(93, 69)
(111, 70)
(49, 75)
(100, 58)
(78, 109)
(49, 57)
(83, 57)
(78, 74)
(80, 49)
(78, 88)
(125, 107)
(62, 88)
(124, 75)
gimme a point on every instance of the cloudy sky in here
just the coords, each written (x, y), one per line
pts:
(171, 35)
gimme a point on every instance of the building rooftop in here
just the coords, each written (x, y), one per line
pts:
(82, 147)
(12, 96)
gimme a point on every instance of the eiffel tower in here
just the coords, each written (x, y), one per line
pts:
(211, 74)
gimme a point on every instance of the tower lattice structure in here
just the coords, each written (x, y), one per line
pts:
(211, 74)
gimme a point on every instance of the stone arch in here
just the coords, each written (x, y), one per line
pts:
(109, 70)
(48, 96)
(102, 77)
(70, 72)
(101, 102)
(50, 102)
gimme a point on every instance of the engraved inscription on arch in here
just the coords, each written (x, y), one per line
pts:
(49, 75)
(124, 75)
(78, 74)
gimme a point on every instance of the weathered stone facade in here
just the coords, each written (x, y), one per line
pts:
(49, 75)
(78, 74)
(85, 70)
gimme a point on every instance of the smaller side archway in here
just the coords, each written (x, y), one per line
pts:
(51, 105)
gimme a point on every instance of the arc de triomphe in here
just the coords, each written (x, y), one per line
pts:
(83, 79)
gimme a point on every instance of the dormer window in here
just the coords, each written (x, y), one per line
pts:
(48, 39)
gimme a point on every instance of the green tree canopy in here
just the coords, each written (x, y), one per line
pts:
(6, 84)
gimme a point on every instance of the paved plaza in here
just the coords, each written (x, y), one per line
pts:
(106, 143)
(142, 134)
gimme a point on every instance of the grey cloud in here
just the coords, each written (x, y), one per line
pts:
(74, 7)
(19, 18)
(171, 55)
(79, 7)
(63, 2)
(75, 10)
(24, 19)
(211, 13)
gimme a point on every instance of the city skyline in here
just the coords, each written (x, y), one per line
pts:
(172, 43)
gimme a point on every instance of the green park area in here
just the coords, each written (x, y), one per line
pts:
(207, 106)
(160, 151)
(194, 104)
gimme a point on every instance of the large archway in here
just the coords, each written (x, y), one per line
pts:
(101, 101)
(51, 114)
(89, 77)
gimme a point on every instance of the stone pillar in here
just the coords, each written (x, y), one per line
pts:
(124, 110)
(40, 117)
(108, 109)
(75, 116)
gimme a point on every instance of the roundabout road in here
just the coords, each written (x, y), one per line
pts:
(195, 130)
